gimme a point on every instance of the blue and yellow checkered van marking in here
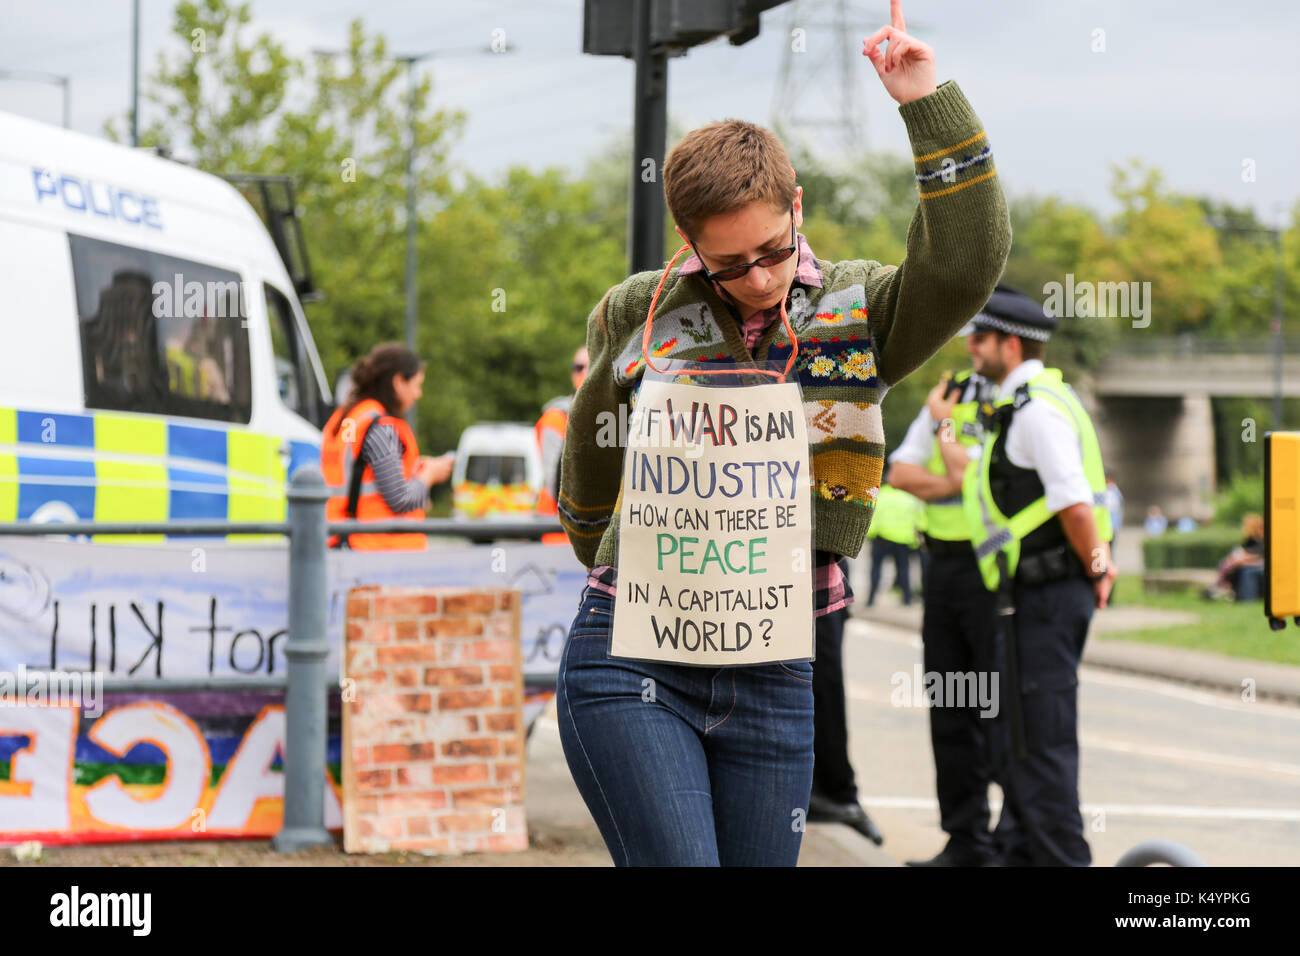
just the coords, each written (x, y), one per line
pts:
(107, 466)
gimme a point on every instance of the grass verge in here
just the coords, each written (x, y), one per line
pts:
(1225, 627)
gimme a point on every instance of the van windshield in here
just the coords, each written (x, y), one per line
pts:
(160, 334)
(496, 469)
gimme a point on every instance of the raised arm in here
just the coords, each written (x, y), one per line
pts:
(960, 235)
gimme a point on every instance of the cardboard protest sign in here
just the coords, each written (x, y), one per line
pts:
(715, 529)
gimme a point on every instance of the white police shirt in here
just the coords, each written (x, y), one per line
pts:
(918, 443)
(1041, 438)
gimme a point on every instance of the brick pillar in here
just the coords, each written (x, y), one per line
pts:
(433, 735)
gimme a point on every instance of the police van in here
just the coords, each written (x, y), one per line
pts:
(155, 362)
(498, 472)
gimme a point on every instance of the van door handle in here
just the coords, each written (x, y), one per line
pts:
(286, 456)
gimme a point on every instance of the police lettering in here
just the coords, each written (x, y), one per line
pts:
(102, 200)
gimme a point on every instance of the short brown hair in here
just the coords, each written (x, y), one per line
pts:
(723, 167)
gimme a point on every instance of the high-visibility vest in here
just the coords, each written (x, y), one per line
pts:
(551, 429)
(995, 534)
(896, 517)
(340, 446)
(182, 373)
(946, 518)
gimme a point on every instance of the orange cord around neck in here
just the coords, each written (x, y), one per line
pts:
(649, 325)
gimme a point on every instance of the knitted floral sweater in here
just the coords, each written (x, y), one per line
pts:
(866, 328)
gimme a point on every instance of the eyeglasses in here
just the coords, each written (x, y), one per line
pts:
(763, 262)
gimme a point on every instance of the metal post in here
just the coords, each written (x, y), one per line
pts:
(39, 76)
(135, 73)
(306, 650)
(411, 292)
(649, 131)
(1278, 288)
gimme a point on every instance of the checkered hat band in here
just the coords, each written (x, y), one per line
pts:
(986, 321)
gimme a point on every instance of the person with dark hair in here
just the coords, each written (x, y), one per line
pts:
(369, 431)
(1241, 572)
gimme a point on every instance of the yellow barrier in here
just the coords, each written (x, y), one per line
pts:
(1281, 527)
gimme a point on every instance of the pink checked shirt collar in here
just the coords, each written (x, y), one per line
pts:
(806, 273)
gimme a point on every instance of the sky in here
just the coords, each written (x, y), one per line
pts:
(1206, 91)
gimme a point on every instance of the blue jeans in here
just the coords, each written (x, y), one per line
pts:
(685, 766)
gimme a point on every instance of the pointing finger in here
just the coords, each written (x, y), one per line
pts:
(896, 14)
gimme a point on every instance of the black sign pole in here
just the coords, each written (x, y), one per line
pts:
(649, 133)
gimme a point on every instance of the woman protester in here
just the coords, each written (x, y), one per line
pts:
(368, 430)
(685, 691)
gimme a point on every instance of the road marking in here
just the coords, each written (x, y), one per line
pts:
(1230, 761)
(1222, 699)
(1260, 814)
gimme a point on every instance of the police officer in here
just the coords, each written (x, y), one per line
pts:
(958, 623)
(1035, 504)
(894, 533)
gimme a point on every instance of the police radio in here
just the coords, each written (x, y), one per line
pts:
(1281, 528)
(951, 383)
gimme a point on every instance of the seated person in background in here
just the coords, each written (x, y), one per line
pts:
(1241, 572)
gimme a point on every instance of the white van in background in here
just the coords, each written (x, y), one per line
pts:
(155, 362)
(498, 471)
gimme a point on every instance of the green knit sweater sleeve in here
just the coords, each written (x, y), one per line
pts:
(591, 469)
(957, 243)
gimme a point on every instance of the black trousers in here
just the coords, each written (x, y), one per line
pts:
(1041, 824)
(957, 632)
(881, 551)
(832, 773)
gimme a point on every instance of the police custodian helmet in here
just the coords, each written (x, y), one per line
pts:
(1011, 311)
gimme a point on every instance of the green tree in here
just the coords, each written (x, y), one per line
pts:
(522, 263)
(1055, 239)
(1163, 239)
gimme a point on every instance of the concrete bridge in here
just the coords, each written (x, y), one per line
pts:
(1151, 405)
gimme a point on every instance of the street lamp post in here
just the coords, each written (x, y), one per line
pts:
(412, 290)
(411, 61)
(1278, 285)
(135, 73)
(38, 76)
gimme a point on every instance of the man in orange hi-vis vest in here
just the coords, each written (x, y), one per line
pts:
(550, 440)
